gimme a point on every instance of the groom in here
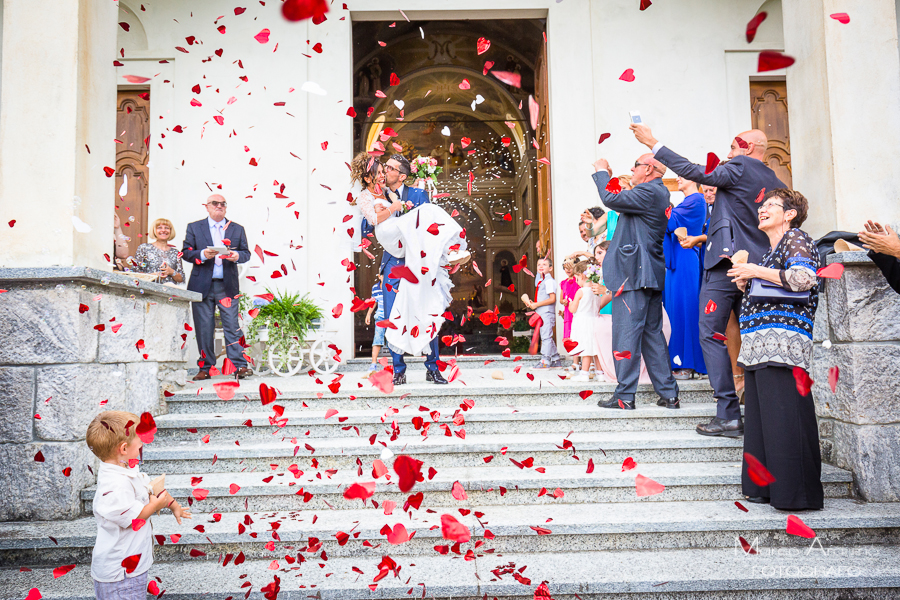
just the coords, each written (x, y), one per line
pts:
(396, 170)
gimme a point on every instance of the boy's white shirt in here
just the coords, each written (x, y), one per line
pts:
(549, 286)
(121, 495)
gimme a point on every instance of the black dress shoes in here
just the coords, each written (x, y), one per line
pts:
(669, 402)
(400, 378)
(758, 499)
(717, 426)
(615, 402)
(435, 377)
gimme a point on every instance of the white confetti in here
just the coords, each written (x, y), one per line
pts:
(80, 226)
(123, 189)
(445, 131)
(399, 104)
(313, 88)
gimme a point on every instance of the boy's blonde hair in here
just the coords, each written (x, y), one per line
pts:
(109, 429)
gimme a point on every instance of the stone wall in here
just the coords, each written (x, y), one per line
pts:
(858, 331)
(58, 370)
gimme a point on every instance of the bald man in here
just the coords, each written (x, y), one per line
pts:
(741, 183)
(214, 246)
(634, 270)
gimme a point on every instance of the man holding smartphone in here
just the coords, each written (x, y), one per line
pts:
(742, 181)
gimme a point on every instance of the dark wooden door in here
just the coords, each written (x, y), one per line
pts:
(769, 108)
(132, 154)
(542, 135)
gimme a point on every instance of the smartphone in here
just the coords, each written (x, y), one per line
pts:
(635, 117)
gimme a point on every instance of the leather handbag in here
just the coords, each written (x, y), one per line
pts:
(766, 292)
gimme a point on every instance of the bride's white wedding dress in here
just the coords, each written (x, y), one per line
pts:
(423, 236)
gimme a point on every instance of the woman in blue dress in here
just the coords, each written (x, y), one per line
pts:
(682, 292)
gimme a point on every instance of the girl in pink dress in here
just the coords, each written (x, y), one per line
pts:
(567, 289)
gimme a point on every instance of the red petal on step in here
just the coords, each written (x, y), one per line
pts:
(712, 161)
(585, 394)
(590, 467)
(60, 571)
(796, 526)
(408, 470)
(646, 486)
(771, 61)
(753, 25)
(234, 489)
(200, 493)
(746, 545)
(196, 553)
(741, 506)
(757, 472)
(458, 492)
(153, 588)
(360, 491)
(226, 389)
(451, 529)
(398, 534)
(628, 464)
(628, 75)
(541, 530)
(832, 271)
(266, 394)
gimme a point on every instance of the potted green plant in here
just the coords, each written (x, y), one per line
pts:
(284, 321)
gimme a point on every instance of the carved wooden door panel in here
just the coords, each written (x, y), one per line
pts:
(769, 109)
(132, 154)
(542, 135)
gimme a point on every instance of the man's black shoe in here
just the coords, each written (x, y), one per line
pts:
(435, 377)
(669, 402)
(400, 378)
(757, 499)
(615, 402)
(717, 426)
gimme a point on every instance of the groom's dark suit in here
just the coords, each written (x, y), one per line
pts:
(388, 261)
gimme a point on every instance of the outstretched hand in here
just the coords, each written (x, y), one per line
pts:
(601, 164)
(643, 134)
(880, 239)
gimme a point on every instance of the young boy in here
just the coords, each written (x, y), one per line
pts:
(123, 504)
(544, 305)
(378, 340)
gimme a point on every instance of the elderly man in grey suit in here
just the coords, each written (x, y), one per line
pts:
(742, 182)
(635, 273)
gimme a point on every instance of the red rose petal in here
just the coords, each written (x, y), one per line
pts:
(146, 429)
(131, 563)
(622, 355)
(803, 380)
(710, 307)
(263, 36)
(772, 61)
(757, 472)
(833, 374)
(754, 24)
(360, 491)
(604, 137)
(645, 4)
(402, 272)
(482, 45)
(712, 161)
(200, 493)
(628, 75)
(796, 526)
(398, 534)
(585, 394)
(299, 10)
(234, 489)
(60, 571)
(646, 486)
(628, 464)
(832, 271)
(458, 492)
(225, 389)
(408, 470)
(842, 17)
(451, 529)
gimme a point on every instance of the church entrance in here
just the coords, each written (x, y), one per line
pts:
(472, 95)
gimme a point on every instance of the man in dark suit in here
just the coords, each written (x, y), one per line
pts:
(634, 270)
(741, 183)
(396, 170)
(216, 277)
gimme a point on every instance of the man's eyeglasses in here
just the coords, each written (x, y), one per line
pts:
(640, 164)
(217, 204)
(391, 168)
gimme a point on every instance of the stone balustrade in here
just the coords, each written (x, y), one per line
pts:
(858, 331)
(59, 368)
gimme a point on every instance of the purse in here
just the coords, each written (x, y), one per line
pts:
(766, 292)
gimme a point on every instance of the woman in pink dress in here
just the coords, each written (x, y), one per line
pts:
(567, 289)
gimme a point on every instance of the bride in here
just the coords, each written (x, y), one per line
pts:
(425, 243)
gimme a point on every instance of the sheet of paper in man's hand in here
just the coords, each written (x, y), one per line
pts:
(220, 250)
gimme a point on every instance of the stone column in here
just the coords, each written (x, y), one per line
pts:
(858, 331)
(838, 141)
(58, 100)
(76, 342)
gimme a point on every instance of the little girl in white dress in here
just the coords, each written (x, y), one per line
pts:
(584, 307)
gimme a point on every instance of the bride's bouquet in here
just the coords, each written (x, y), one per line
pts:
(427, 169)
(594, 273)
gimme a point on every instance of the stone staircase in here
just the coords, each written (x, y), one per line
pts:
(594, 538)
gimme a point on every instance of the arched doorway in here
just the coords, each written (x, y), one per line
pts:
(447, 103)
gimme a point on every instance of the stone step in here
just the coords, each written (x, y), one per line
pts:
(545, 449)
(871, 573)
(843, 524)
(312, 423)
(417, 363)
(607, 483)
(355, 393)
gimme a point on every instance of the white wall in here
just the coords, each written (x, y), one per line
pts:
(686, 99)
